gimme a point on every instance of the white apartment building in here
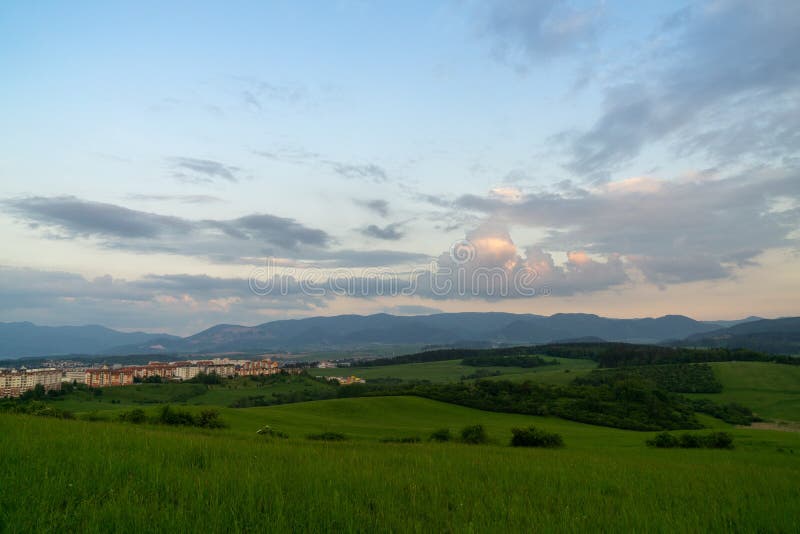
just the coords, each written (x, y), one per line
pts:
(15, 382)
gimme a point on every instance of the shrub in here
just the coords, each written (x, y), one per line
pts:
(719, 440)
(663, 440)
(443, 434)
(408, 439)
(206, 419)
(170, 416)
(474, 435)
(715, 440)
(209, 419)
(208, 379)
(94, 416)
(269, 432)
(136, 416)
(533, 437)
(327, 436)
(690, 441)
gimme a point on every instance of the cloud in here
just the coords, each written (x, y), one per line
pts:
(289, 155)
(122, 227)
(172, 302)
(379, 206)
(202, 170)
(184, 199)
(284, 232)
(724, 83)
(77, 217)
(674, 231)
(390, 232)
(241, 240)
(412, 309)
(371, 172)
(368, 171)
(257, 93)
(525, 31)
(488, 265)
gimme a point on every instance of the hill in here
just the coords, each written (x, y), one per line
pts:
(777, 336)
(19, 340)
(446, 329)
(142, 477)
(371, 333)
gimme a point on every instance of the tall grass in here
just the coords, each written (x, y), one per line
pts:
(101, 477)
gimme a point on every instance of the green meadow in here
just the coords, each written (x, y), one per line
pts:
(110, 476)
(452, 371)
(770, 390)
(105, 476)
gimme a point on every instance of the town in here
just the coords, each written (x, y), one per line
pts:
(15, 382)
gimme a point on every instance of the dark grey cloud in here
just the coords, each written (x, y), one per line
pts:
(76, 217)
(178, 303)
(379, 206)
(202, 170)
(240, 240)
(284, 232)
(369, 258)
(529, 31)
(138, 230)
(390, 232)
(673, 231)
(724, 83)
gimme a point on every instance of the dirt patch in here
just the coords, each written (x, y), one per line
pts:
(783, 426)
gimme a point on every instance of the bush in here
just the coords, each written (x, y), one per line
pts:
(269, 432)
(533, 437)
(327, 436)
(136, 416)
(663, 440)
(443, 434)
(209, 419)
(715, 440)
(690, 441)
(474, 435)
(719, 440)
(173, 417)
(408, 439)
(208, 379)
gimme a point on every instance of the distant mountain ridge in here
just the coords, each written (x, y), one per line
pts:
(343, 332)
(776, 336)
(357, 331)
(24, 339)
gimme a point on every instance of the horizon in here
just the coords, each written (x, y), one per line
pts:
(324, 159)
(208, 327)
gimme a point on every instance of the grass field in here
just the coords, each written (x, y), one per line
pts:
(224, 394)
(101, 477)
(452, 371)
(771, 390)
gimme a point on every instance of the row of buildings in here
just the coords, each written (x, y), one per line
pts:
(14, 382)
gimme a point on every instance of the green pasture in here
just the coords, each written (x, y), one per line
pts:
(769, 389)
(453, 371)
(117, 477)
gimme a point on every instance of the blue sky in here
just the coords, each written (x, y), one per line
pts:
(641, 158)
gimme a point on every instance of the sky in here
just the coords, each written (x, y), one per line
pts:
(167, 166)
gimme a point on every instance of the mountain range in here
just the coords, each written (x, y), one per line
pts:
(27, 339)
(345, 332)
